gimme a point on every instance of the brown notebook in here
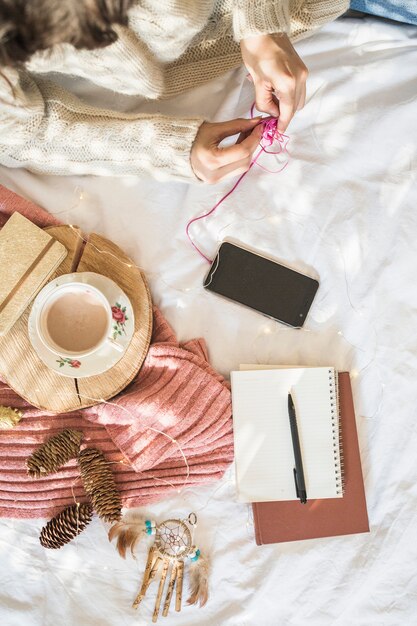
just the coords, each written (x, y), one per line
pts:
(28, 258)
(276, 522)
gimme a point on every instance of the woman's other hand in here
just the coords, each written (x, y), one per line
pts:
(210, 162)
(275, 68)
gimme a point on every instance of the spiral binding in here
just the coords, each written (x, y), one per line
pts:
(337, 432)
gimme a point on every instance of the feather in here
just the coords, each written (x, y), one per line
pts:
(115, 529)
(199, 573)
(129, 532)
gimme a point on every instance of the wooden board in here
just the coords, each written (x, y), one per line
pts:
(22, 369)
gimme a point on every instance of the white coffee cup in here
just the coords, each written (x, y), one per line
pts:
(75, 320)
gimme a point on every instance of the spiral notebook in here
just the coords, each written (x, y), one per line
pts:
(263, 446)
(277, 522)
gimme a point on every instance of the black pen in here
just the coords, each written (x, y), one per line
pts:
(300, 486)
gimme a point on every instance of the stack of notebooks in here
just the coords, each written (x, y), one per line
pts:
(28, 258)
(329, 447)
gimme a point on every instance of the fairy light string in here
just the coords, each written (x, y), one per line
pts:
(277, 329)
(271, 135)
(155, 430)
(272, 142)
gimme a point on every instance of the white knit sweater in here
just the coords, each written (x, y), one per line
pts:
(169, 47)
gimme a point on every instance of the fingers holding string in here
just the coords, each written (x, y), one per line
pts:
(265, 98)
(243, 149)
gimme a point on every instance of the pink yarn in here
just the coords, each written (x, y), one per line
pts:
(270, 135)
(176, 392)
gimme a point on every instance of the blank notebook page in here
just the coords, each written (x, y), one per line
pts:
(263, 445)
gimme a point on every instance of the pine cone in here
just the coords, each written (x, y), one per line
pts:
(66, 525)
(55, 452)
(99, 484)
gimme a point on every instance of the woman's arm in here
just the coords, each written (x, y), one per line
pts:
(48, 130)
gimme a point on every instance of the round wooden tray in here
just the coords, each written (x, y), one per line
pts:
(26, 374)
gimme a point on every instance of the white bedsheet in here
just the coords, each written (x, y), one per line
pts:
(345, 210)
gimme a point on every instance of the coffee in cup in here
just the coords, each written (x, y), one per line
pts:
(75, 320)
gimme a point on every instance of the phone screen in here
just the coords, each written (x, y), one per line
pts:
(261, 284)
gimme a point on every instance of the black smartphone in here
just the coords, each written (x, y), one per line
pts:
(261, 284)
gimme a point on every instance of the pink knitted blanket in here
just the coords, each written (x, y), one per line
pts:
(176, 393)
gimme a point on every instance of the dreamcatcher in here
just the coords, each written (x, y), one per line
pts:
(172, 548)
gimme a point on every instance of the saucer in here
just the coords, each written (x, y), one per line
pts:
(104, 358)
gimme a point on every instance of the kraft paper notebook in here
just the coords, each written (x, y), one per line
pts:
(290, 521)
(28, 258)
(263, 444)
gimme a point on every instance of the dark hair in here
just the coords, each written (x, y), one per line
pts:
(28, 26)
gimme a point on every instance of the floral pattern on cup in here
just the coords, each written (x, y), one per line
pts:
(71, 362)
(120, 318)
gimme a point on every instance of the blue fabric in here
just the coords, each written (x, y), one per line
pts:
(400, 10)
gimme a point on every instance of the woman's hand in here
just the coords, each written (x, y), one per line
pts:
(212, 163)
(275, 67)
